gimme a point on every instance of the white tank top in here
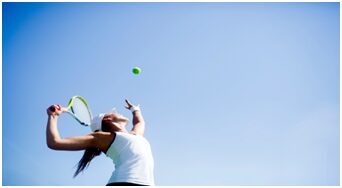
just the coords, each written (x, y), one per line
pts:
(132, 158)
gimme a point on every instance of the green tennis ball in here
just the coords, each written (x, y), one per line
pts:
(136, 70)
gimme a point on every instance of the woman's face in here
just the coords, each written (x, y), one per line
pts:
(112, 118)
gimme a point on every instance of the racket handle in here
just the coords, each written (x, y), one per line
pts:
(53, 109)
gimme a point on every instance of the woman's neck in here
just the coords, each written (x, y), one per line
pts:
(119, 127)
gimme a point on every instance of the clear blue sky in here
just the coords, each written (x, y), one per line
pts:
(232, 93)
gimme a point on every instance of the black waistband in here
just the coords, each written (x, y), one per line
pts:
(124, 184)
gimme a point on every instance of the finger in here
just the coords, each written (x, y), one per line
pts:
(54, 107)
(127, 101)
(129, 104)
(58, 107)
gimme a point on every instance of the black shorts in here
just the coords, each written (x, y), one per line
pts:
(124, 184)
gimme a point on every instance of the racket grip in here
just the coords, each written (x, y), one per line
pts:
(53, 109)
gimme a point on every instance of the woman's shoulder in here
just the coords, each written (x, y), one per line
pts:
(104, 139)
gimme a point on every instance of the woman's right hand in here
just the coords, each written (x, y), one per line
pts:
(55, 110)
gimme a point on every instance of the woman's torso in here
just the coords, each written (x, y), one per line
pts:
(132, 158)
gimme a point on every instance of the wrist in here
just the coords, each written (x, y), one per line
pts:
(53, 117)
(134, 108)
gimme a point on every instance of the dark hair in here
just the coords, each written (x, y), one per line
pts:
(88, 155)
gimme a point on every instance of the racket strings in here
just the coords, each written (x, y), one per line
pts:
(81, 111)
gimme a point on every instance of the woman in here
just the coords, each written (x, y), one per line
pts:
(130, 151)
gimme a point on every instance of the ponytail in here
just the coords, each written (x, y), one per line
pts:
(88, 155)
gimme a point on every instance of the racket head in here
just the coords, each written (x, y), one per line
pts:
(80, 110)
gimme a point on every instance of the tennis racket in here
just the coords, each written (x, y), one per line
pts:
(79, 110)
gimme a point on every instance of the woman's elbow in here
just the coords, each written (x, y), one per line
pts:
(53, 144)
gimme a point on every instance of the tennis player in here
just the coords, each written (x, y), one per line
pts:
(130, 151)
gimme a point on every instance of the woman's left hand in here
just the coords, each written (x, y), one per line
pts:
(129, 104)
